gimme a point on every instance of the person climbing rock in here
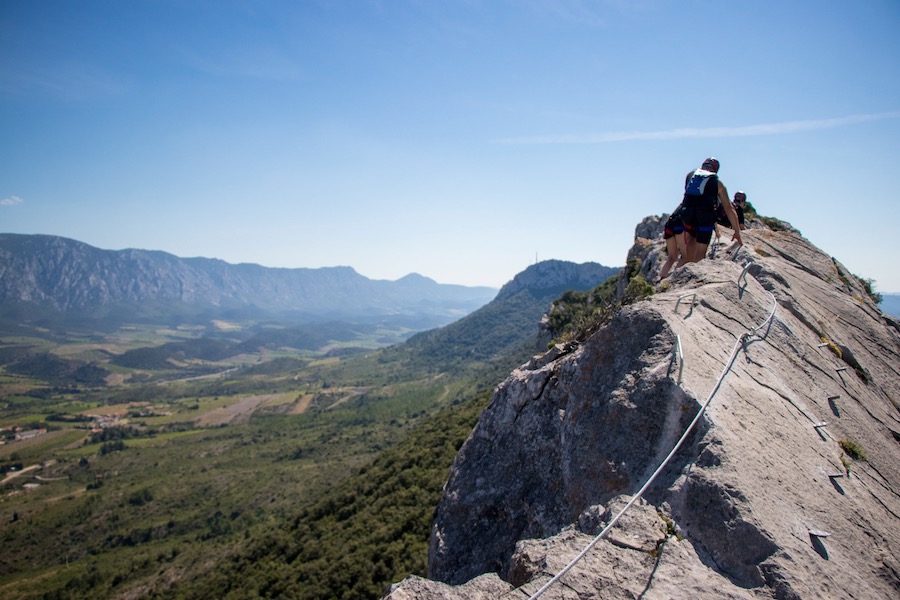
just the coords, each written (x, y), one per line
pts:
(739, 202)
(673, 234)
(701, 189)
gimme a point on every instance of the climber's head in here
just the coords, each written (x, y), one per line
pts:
(711, 164)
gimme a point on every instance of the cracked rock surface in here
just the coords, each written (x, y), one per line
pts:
(764, 499)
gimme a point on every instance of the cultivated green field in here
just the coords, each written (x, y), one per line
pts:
(150, 461)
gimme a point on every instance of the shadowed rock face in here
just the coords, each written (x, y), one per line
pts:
(522, 475)
(568, 436)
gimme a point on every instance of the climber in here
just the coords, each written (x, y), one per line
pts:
(739, 202)
(701, 188)
(673, 234)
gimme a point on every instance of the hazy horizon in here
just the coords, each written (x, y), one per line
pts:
(460, 140)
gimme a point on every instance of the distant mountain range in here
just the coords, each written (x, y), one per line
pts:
(890, 304)
(43, 274)
(51, 287)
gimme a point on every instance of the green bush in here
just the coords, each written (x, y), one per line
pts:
(638, 289)
(869, 285)
(749, 211)
(852, 449)
(114, 446)
(575, 315)
(140, 497)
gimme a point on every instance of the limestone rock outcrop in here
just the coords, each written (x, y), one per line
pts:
(789, 487)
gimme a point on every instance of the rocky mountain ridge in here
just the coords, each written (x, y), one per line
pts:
(506, 325)
(69, 276)
(788, 488)
(557, 276)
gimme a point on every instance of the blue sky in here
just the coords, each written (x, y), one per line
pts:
(458, 139)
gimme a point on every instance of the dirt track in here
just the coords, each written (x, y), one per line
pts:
(303, 405)
(14, 474)
(239, 412)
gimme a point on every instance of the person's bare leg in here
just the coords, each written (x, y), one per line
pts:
(687, 255)
(672, 256)
(700, 252)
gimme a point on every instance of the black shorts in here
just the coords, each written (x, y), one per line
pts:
(674, 225)
(700, 222)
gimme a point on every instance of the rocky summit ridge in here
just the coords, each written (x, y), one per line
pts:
(789, 486)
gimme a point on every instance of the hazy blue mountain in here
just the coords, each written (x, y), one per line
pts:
(41, 274)
(890, 304)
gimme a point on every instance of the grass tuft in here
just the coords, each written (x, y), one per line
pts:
(852, 449)
(833, 347)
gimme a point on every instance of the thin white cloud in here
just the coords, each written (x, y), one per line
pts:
(68, 80)
(707, 132)
(255, 63)
(11, 201)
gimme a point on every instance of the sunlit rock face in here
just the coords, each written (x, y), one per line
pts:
(768, 497)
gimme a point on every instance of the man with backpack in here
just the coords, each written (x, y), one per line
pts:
(702, 191)
(739, 201)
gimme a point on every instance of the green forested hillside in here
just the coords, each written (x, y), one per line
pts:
(142, 510)
(369, 530)
(274, 473)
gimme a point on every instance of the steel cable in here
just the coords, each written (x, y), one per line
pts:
(734, 352)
